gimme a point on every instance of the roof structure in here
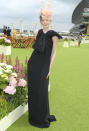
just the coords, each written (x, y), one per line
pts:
(77, 16)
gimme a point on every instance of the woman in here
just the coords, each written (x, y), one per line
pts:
(79, 39)
(39, 66)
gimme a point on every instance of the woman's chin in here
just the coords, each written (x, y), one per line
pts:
(45, 26)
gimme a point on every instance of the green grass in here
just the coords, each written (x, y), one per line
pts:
(21, 53)
(69, 94)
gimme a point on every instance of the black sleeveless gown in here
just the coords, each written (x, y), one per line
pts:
(37, 70)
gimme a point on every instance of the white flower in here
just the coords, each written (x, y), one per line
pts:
(1, 69)
(1, 73)
(3, 76)
(3, 64)
(8, 71)
(14, 74)
(7, 40)
(6, 78)
(9, 67)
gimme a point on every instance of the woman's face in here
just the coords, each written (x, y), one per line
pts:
(45, 21)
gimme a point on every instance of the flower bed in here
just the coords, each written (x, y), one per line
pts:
(13, 85)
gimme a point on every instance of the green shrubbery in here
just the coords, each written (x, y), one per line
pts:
(5, 42)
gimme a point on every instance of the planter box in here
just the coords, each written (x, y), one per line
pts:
(12, 117)
(5, 49)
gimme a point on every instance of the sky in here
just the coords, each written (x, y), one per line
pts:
(12, 11)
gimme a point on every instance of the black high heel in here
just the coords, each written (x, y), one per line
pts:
(51, 118)
(46, 124)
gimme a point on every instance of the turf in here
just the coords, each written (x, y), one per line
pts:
(69, 94)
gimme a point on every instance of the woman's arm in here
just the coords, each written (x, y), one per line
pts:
(53, 53)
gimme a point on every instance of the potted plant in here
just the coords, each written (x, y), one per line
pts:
(5, 46)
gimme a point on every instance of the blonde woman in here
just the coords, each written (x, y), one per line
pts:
(39, 66)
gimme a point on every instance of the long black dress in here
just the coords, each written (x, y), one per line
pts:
(38, 68)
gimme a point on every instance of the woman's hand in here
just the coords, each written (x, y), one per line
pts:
(48, 75)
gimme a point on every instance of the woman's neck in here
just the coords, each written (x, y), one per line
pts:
(46, 29)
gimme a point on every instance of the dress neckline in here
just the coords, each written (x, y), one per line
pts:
(45, 32)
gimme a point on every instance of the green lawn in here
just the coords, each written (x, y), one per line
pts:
(69, 94)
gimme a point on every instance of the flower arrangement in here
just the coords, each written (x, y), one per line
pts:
(10, 78)
(13, 84)
(4, 41)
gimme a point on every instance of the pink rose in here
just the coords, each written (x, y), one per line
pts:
(10, 90)
(22, 82)
(13, 81)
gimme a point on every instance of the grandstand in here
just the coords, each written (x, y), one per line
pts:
(78, 17)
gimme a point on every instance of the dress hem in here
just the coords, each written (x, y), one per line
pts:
(39, 125)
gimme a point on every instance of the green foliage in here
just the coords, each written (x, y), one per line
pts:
(6, 44)
(3, 43)
(3, 107)
(10, 102)
(3, 85)
(19, 98)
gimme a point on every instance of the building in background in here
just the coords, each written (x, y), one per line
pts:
(78, 18)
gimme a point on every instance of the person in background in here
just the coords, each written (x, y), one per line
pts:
(5, 31)
(79, 39)
(8, 31)
(66, 44)
(83, 39)
(14, 33)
